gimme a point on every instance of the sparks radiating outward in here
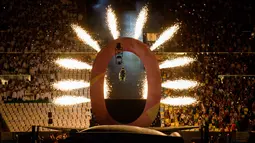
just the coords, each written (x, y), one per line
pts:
(176, 62)
(112, 22)
(145, 88)
(179, 101)
(73, 64)
(140, 22)
(166, 35)
(179, 84)
(66, 85)
(85, 37)
(70, 100)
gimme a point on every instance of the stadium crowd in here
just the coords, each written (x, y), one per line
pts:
(38, 28)
(28, 35)
(226, 103)
(224, 100)
(211, 26)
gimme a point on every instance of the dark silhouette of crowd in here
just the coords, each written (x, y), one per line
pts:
(32, 29)
(210, 25)
(225, 102)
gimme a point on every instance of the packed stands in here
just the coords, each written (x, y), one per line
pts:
(208, 26)
(20, 117)
(33, 28)
(37, 83)
(226, 94)
(30, 30)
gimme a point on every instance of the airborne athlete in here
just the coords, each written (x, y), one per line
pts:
(122, 74)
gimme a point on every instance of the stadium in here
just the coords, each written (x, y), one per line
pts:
(127, 71)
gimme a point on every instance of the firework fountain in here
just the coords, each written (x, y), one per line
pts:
(112, 23)
(140, 22)
(73, 64)
(165, 36)
(85, 37)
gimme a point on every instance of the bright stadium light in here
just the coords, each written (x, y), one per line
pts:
(181, 61)
(180, 84)
(73, 64)
(178, 101)
(66, 85)
(66, 100)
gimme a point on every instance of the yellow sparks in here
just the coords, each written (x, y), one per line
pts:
(106, 87)
(182, 61)
(180, 53)
(145, 88)
(166, 35)
(178, 101)
(140, 22)
(66, 85)
(85, 37)
(112, 22)
(179, 84)
(73, 64)
(66, 100)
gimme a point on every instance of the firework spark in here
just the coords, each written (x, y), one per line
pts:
(145, 88)
(178, 101)
(66, 85)
(166, 35)
(66, 100)
(85, 37)
(106, 88)
(179, 84)
(180, 53)
(73, 64)
(140, 22)
(112, 22)
(176, 62)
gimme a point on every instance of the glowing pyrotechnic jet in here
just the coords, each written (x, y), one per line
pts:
(180, 53)
(145, 88)
(166, 35)
(112, 22)
(178, 101)
(106, 88)
(73, 64)
(176, 62)
(66, 85)
(179, 84)
(70, 100)
(85, 37)
(140, 22)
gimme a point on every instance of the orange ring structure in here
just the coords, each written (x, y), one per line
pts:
(153, 77)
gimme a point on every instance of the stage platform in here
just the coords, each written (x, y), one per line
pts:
(125, 110)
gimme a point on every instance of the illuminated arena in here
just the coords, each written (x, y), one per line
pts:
(122, 71)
